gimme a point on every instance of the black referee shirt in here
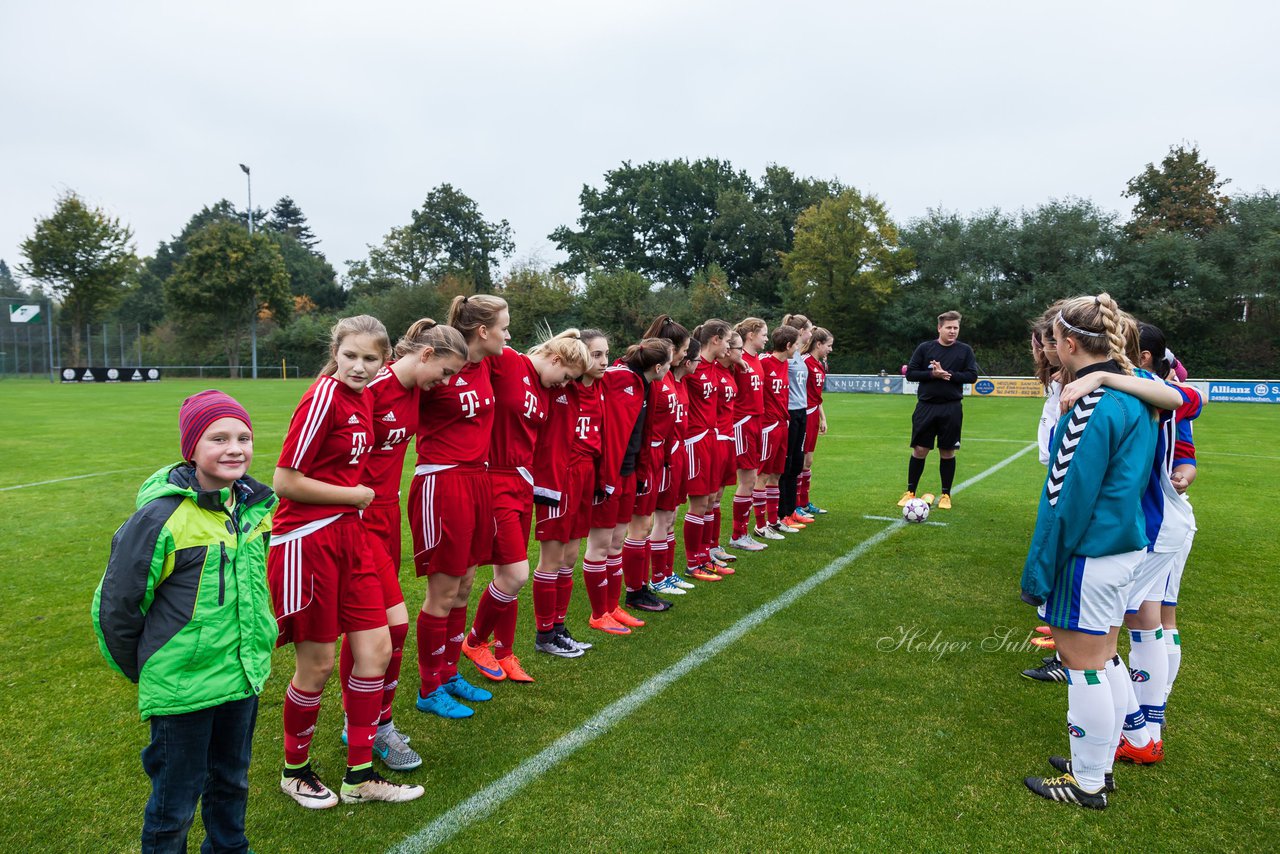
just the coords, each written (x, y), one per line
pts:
(958, 359)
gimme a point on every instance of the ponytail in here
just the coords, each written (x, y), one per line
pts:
(819, 336)
(647, 354)
(711, 329)
(796, 321)
(749, 326)
(468, 313)
(664, 327)
(1097, 326)
(1153, 341)
(424, 333)
(568, 347)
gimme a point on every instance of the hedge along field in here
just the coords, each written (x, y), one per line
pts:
(883, 708)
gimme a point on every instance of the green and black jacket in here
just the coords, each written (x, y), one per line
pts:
(183, 609)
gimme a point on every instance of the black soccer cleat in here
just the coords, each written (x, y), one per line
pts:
(1065, 790)
(1050, 671)
(1063, 765)
(646, 601)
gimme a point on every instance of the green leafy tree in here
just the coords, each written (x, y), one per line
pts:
(1181, 195)
(709, 295)
(621, 302)
(8, 287)
(143, 303)
(287, 218)
(447, 235)
(658, 219)
(537, 298)
(310, 275)
(225, 278)
(844, 264)
(83, 256)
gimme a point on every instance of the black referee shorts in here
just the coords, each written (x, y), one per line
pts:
(937, 421)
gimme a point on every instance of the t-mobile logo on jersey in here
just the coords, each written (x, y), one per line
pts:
(530, 405)
(358, 447)
(584, 427)
(707, 390)
(755, 381)
(778, 385)
(395, 437)
(470, 403)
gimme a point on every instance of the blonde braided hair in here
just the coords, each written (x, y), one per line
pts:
(1097, 325)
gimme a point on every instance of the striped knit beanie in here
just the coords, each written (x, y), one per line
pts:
(201, 410)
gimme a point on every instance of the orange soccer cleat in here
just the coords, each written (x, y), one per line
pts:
(483, 659)
(513, 669)
(626, 619)
(1152, 753)
(608, 624)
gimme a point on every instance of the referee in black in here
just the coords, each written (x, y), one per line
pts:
(941, 367)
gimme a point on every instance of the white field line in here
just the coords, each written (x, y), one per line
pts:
(447, 825)
(892, 519)
(1203, 453)
(73, 477)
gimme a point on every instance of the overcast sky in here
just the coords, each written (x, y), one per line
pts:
(357, 110)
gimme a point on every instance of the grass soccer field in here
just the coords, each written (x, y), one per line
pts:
(878, 705)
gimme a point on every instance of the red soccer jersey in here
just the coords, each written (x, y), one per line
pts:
(395, 422)
(750, 387)
(328, 440)
(703, 386)
(682, 409)
(664, 407)
(817, 379)
(725, 408)
(555, 443)
(520, 411)
(776, 390)
(455, 418)
(624, 398)
(589, 420)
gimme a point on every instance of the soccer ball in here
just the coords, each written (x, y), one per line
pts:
(915, 510)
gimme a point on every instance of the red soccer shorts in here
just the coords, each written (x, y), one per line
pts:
(811, 431)
(671, 486)
(746, 440)
(382, 519)
(556, 524)
(702, 476)
(647, 502)
(387, 569)
(325, 584)
(616, 509)
(512, 514)
(451, 519)
(726, 461)
(773, 448)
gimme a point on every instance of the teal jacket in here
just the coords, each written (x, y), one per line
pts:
(1091, 504)
(183, 608)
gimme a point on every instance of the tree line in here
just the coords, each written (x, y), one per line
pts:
(698, 239)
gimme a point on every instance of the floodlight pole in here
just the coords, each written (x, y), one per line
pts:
(253, 313)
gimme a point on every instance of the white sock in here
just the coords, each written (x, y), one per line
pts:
(1149, 671)
(1132, 723)
(1172, 645)
(1091, 721)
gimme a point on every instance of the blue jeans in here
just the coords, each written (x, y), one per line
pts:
(200, 756)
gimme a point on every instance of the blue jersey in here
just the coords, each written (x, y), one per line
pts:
(1169, 518)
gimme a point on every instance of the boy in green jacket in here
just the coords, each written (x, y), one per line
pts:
(184, 611)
